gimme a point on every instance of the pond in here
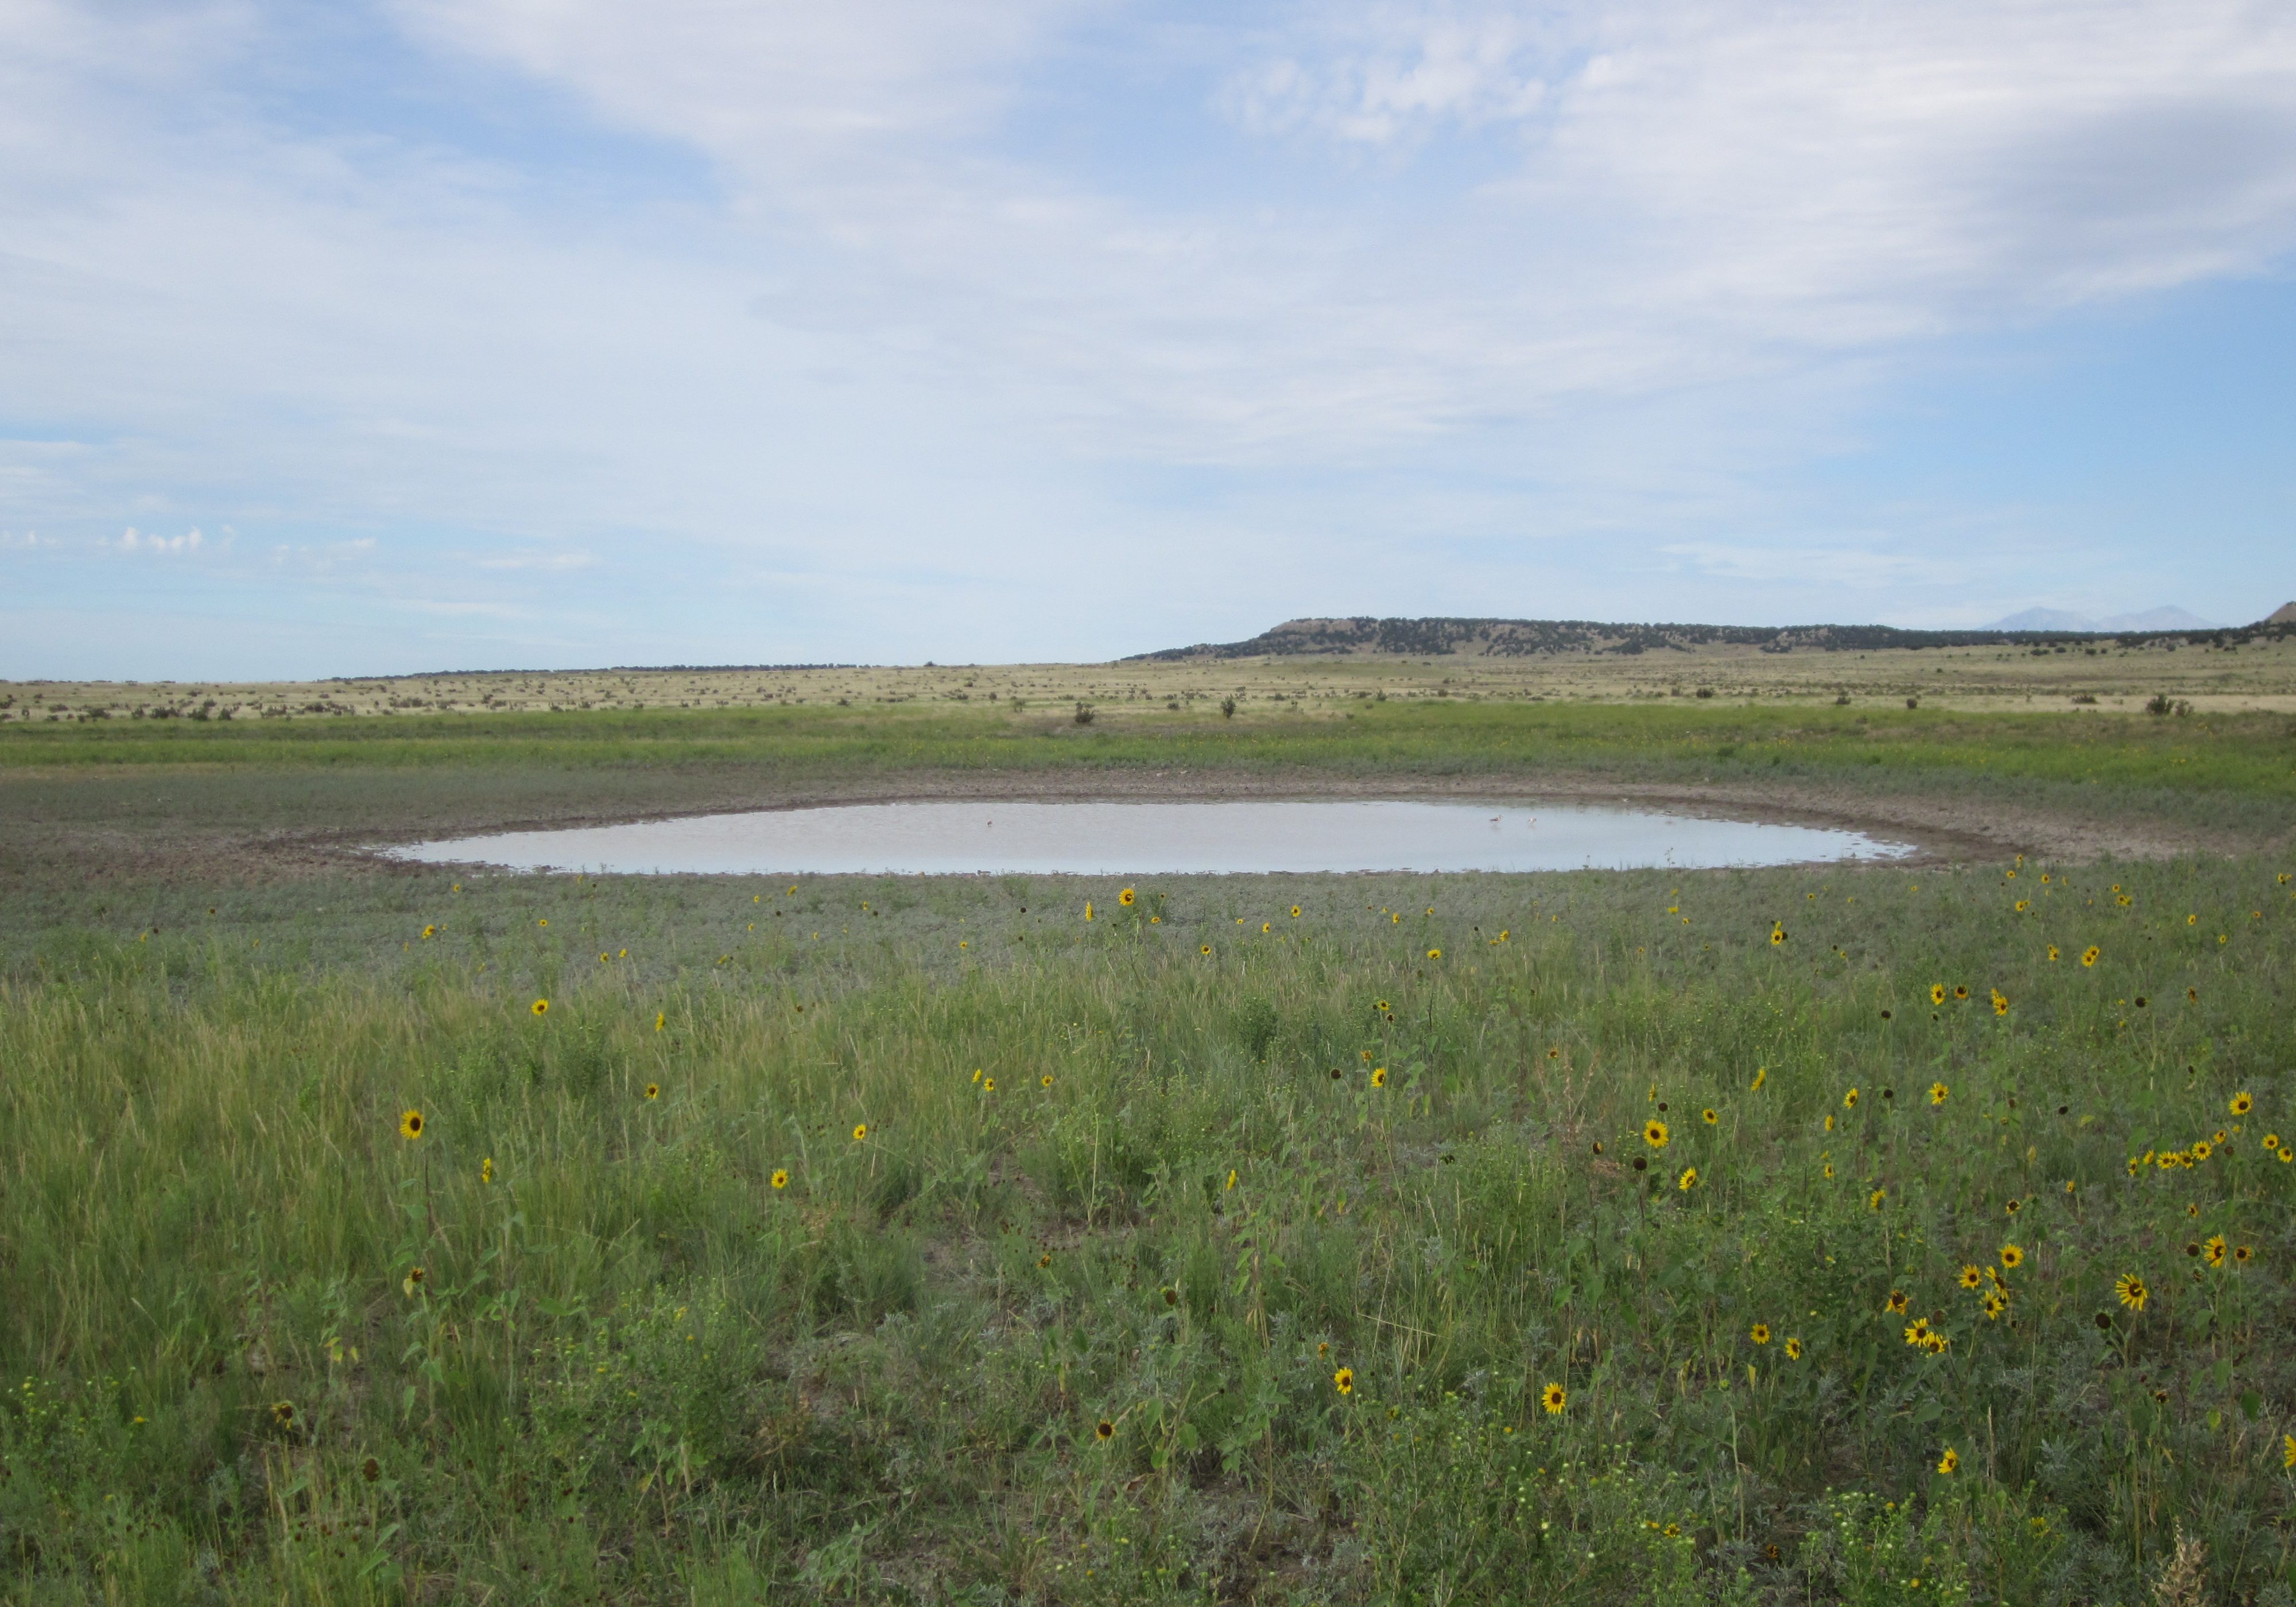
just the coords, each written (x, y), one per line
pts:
(1142, 839)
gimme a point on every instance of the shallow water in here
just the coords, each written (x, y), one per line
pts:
(1140, 839)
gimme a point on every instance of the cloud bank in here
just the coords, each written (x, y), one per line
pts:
(905, 328)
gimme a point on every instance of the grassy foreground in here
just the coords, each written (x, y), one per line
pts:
(924, 1240)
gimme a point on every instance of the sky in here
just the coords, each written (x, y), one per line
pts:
(378, 336)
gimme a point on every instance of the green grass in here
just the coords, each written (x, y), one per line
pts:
(2247, 753)
(634, 1368)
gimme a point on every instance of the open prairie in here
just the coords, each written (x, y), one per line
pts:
(378, 1233)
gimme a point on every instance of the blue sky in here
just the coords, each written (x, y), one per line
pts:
(362, 338)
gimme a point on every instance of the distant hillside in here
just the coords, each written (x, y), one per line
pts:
(2285, 615)
(1526, 638)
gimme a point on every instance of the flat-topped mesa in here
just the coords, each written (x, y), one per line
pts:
(1453, 638)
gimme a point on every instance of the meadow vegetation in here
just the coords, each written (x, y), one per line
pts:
(1857, 1235)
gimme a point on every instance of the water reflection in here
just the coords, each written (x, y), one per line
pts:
(1139, 839)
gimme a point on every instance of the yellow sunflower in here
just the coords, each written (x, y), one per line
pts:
(1654, 1134)
(1760, 1334)
(2013, 1256)
(1379, 1076)
(2242, 1104)
(1950, 1462)
(779, 1178)
(1793, 1348)
(1938, 1091)
(1125, 898)
(410, 1124)
(1553, 1398)
(1344, 1381)
(2091, 955)
(2130, 1290)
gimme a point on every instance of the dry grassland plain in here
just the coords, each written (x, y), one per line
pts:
(1921, 1232)
(2259, 674)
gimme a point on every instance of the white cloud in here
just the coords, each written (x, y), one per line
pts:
(977, 284)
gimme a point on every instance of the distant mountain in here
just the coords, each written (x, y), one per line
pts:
(2058, 619)
(1364, 636)
(2285, 615)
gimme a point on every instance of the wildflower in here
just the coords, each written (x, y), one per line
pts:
(2053, 951)
(2091, 955)
(1046, 1081)
(1960, 992)
(2272, 1141)
(1949, 1462)
(1827, 1171)
(2013, 1256)
(653, 1090)
(1379, 1076)
(1793, 1348)
(1995, 1303)
(1046, 1260)
(1689, 1179)
(1295, 912)
(2286, 1154)
(779, 1178)
(860, 1131)
(1434, 954)
(2243, 1254)
(1708, 1116)
(1970, 1278)
(429, 932)
(541, 1006)
(2287, 1441)
(1654, 1134)
(1938, 1091)
(1760, 1333)
(1125, 898)
(660, 1020)
(1849, 1100)
(1937, 993)
(2000, 1003)
(2013, 1207)
(1382, 1006)
(1917, 1331)
(1897, 1302)
(283, 1413)
(2213, 1250)
(410, 1124)
(1761, 1076)
(1266, 926)
(2023, 904)
(487, 1169)
(1205, 948)
(988, 1085)
(2202, 1148)
(1087, 909)
(2130, 1290)
(1344, 1381)
(1231, 1177)
(1777, 935)
(2242, 1104)
(1553, 1399)
(1873, 1201)
(412, 1282)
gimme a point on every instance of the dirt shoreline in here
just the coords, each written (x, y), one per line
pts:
(1941, 830)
